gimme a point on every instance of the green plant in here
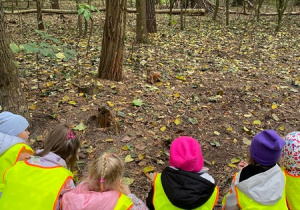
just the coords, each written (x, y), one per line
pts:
(86, 10)
(48, 47)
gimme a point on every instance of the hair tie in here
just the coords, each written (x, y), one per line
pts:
(101, 180)
(70, 135)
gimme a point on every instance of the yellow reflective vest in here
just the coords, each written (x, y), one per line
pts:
(124, 203)
(33, 187)
(246, 203)
(292, 188)
(10, 157)
(161, 201)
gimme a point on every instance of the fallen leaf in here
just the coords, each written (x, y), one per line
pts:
(181, 77)
(235, 160)
(232, 165)
(127, 181)
(80, 127)
(126, 139)
(247, 115)
(229, 129)
(128, 159)
(72, 102)
(246, 141)
(137, 102)
(109, 103)
(60, 55)
(148, 169)
(275, 117)
(163, 128)
(177, 121)
(217, 133)
(256, 122)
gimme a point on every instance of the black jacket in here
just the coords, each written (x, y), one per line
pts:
(185, 190)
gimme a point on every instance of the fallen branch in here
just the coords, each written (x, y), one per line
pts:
(129, 10)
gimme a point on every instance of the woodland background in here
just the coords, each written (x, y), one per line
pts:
(219, 77)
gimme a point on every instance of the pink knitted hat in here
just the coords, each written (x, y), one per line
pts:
(186, 154)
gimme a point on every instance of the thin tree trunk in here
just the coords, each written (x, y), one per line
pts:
(227, 12)
(39, 15)
(151, 18)
(216, 10)
(54, 4)
(11, 95)
(111, 59)
(141, 25)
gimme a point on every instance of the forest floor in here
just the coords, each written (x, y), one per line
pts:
(220, 85)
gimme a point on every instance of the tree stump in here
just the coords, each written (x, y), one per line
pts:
(104, 117)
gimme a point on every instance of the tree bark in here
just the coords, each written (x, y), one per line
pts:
(111, 59)
(216, 10)
(227, 12)
(54, 4)
(39, 15)
(11, 95)
(141, 25)
(151, 18)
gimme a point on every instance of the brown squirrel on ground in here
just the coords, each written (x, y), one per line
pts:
(153, 77)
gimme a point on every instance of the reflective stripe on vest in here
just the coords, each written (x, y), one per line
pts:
(246, 203)
(161, 202)
(33, 187)
(292, 189)
(124, 203)
(10, 157)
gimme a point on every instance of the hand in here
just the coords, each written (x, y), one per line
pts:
(242, 164)
(125, 189)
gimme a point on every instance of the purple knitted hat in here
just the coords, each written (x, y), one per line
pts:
(266, 147)
(186, 154)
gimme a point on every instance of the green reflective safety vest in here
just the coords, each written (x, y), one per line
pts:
(292, 189)
(161, 201)
(124, 203)
(246, 203)
(33, 187)
(10, 157)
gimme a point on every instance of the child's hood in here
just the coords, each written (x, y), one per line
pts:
(186, 190)
(82, 198)
(7, 141)
(265, 188)
(49, 160)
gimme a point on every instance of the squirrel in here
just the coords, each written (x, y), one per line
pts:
(153, 77)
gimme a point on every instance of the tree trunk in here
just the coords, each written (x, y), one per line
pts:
(11, 95)
(151, 18)
(227, 12)
(111, 59)
(54, 4)
(39, 15)
(141, 25)
(216, 10)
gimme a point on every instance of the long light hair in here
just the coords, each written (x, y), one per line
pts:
(62, 141)
(106, 173)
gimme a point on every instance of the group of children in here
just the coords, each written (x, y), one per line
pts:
(43, 180)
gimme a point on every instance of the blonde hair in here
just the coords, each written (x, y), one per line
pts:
(105, 173)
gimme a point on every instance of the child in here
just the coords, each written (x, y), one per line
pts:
(103, 188)
(185, 184)
(13, 137)
(291, 163)
(260, 184)
(38, 183)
